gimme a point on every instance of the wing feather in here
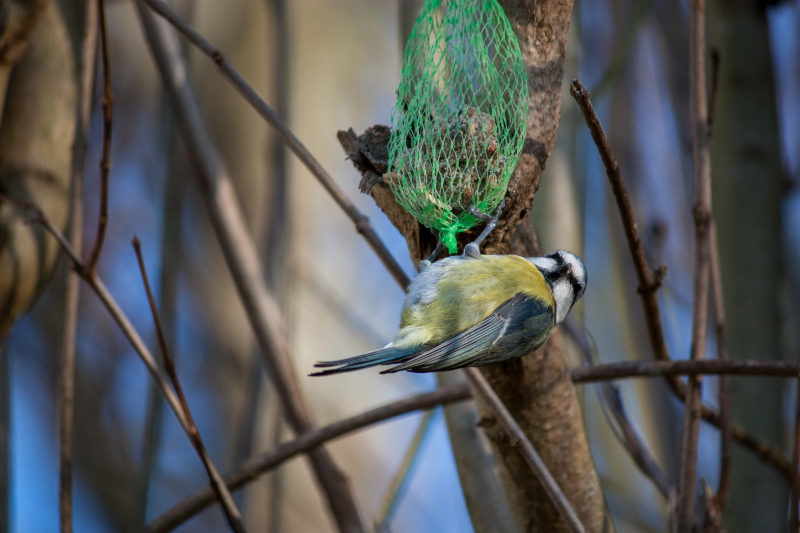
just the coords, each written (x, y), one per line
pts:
(384, 356)
(516, 324)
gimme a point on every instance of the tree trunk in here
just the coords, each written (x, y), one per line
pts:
(747, 188)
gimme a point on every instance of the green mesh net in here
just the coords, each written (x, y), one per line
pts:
(460, 120)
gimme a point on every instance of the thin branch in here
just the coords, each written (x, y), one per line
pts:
(362, 223)
(105, 160)
(701, 164)
(718, 304)
(629, 438)
(630, 369)
(403, 475)
(221, 491)
(243, 261)
(252, 469)
(649, 280)
(520, 441)
(67, 356)
(168, 288)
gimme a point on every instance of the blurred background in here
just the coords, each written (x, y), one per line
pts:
(334, 64)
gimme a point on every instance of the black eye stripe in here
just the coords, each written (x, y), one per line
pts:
(576, 287)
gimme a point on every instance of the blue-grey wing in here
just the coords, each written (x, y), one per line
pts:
(516, 328)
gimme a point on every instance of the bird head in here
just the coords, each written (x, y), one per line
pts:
(565, 273)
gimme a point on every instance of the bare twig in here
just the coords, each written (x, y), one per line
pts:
(631, 369)
(105, 160)
(221, 491)
(629, 438)
(362, 223)
(649, 280)
(403, 474)
(257, 466)
(243, 261)
(701, 158)
(521, 442)
(67, 370)
(718, 304)
(168, 288)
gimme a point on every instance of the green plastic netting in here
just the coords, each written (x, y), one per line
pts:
(460, 120)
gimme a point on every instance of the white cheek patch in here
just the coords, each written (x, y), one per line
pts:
(564, 297)
(547, 264)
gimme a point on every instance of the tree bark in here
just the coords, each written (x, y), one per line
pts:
(747, 189)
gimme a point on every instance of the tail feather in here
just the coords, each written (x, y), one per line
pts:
(384, 356)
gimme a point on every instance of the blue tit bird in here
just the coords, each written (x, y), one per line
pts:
(471, 310)
(476, 310)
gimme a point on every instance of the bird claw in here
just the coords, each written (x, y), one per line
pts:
(473, 249)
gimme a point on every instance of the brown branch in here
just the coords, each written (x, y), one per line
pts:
(718, 304)
(362, 223)
(651, 369)
(221, 491)
(258, 466)
(675, 368)
(105, 160)
(701, 159)
(243, 261)
(630, 439)
(520, 441)
(67, 356)
(649, 280)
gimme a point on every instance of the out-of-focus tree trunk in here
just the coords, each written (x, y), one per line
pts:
(747, 188)
(36, 134)
(38, 106)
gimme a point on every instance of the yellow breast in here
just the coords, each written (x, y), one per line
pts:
(461, 292)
